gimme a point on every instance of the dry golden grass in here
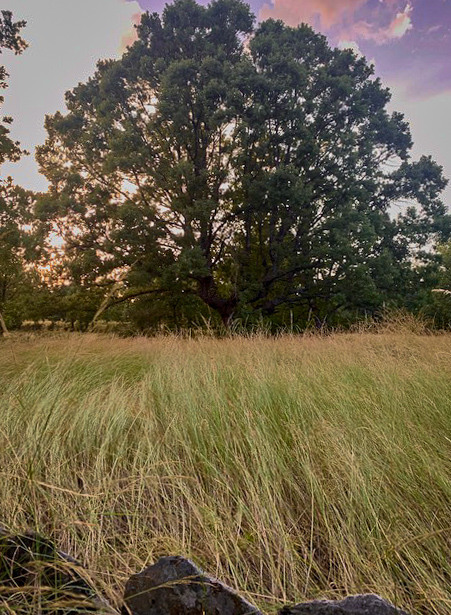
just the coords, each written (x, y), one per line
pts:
(292, 468)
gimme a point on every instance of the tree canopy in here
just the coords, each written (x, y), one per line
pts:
(249, 169)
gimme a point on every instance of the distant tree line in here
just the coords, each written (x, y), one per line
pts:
(223, 171)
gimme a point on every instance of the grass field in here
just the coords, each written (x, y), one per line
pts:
(292, 468)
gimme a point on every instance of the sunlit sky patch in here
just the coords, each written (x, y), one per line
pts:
(409, 42)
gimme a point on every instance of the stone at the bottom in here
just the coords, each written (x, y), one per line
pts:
(364, 604)
(36, 577)
(176, 586)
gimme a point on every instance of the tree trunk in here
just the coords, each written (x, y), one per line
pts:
(226, 313)
(225, 307)
(3, 328)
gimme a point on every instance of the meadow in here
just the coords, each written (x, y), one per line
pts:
(292, 468)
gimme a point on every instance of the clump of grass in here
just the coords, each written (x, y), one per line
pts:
(292, 468)
(396, 321)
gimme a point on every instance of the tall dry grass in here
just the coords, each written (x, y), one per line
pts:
(292, 468)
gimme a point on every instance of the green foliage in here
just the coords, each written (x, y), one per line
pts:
(14, 202)
(258, 178)
(17, 245)
(437, 304)
(9, 39)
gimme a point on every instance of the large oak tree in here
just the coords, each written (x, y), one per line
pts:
(252, 168)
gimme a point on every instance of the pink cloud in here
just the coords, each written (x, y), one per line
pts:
(400, 24)
(340, 15)
(294, 12)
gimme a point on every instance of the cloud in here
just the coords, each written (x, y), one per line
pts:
(354, 46)
(131, 35)
(384, 23)
(66, 39)
(326, 12)
(433, 29)
(399, 25)
(344, 44)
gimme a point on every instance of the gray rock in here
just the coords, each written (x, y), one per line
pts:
(33, 571)
(176, 586)
(364, 604)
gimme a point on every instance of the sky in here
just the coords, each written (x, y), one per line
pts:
(409, 42)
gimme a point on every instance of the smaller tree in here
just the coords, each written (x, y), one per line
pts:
(16, 244)
(437, 304)
(14, 201)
